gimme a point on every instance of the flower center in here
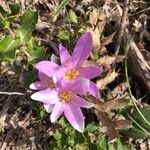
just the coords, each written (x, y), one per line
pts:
(51, 83)
(65, 96)
(72, 74)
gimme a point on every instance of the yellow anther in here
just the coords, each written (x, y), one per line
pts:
(51, 83)
(65, 96)
(72, 74)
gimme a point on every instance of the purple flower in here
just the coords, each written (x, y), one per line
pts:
(44, 83)
(65, 99)
(60, 86)
(71, 66)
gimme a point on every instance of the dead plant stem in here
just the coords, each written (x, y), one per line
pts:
(122, 27)
(127, 79)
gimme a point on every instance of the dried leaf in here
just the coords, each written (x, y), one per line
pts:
(106, 80)
(41, 25)
(102, 111)
(102, 50)
(93, 17)
(103, 129)
(105, 41)
(98, 26)
(106, 61)
(123, 124)
(115, 104)
(108, 39)
(110, 105)
(119, 89)
(96, 38)
(101, 22)
(108, 124)
(137, 25)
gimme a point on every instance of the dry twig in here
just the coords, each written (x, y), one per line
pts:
(11, 93)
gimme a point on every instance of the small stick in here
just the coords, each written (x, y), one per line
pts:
(11, 93)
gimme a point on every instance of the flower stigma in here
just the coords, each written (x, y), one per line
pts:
(51, 83)
(68, 65)
(72, 74)
(65, 96)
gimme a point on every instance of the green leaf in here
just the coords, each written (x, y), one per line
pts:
(41, 112)
(101, 144)
(64, 35)
(6, 23)
(92, 146)
(1, 25)
(73, 16)
(79, 138)
(8, 47)
(138, 118)
(35, 51)
(58, 137)
(29, 76)
(15, 9)
(135, 133)
(124, 146)
(82, 29)
(63, 122)
(3, 12)
(120, 146)
(8, 17)
(110, 146)
(141, 128)
(132, 147)
(91, 127)
(28, 22)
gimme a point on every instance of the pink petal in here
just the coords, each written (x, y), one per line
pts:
(39, 85)
(79, 86)
(64, 56)
(93, 89)
(43, 77)
(57, 111)
(49, 107)
(75, 117)
(90, 72)
(47, 96)
(50, 68)
(80, 102)
(82, 86)
(82, 49)
(35, 85)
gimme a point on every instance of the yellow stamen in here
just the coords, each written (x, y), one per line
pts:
(72, 74)
(51, 83)
(65, 96)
